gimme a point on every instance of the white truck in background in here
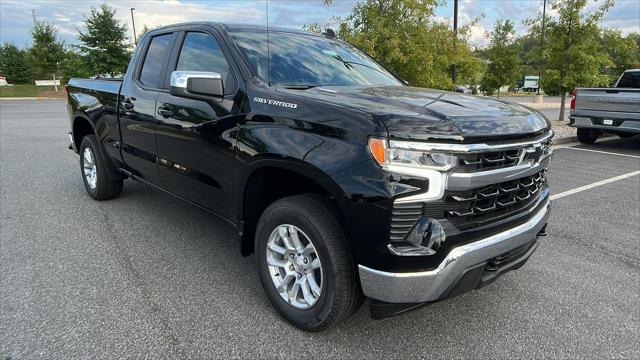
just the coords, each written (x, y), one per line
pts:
(530, 83)
(615, 110)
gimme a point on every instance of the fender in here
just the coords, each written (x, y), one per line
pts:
(318, 179)
(290, 164)
(102, 135)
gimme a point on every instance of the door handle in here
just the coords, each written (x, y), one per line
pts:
(165, 113)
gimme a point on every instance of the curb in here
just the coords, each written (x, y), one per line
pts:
(571, 139)
(32, 98)
(564, 140)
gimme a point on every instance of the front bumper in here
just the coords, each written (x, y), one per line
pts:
(440, 283)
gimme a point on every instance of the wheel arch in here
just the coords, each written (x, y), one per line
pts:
(269, 179)
(81, 127)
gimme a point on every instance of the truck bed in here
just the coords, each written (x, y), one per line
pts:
(612, 103)
(111, 86)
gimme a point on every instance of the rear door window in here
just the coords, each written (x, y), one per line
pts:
(630, 79)
(157, 54)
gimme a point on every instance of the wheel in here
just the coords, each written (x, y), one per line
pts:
(304, 263)
(587, 136)
(94, 171)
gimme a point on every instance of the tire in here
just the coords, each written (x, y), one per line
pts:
(94, 171)
(315, 222)
(587, 136)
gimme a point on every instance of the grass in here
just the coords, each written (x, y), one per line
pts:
(31, 91)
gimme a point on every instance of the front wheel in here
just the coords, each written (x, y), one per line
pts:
(587, 136)
(94, 172)
(304, 263)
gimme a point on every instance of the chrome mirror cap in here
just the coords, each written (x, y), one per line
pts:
(180, 79)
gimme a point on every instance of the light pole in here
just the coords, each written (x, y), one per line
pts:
(544, 12)
(133, 22)
(454, 68)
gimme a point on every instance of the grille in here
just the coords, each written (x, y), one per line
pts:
(405, 216)
(472, 208)
(490, 160)
(476, 207)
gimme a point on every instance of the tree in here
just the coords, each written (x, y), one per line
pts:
(145, 29)
(14, 64)
(573, 56)
(104, 43)
(502, 54)
(623, 53)
(46, 51)
(405, 37)
(73, 64)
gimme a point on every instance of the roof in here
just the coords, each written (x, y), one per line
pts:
(240, 27)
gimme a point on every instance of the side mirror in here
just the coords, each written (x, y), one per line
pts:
(202, 85)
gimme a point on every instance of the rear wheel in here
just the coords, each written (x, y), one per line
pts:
(304, 263)
(587, 136)
(94, 171)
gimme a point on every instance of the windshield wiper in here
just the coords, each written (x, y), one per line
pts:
(296, 87)
(349, 65)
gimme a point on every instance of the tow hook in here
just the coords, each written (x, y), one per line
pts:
(543, 231)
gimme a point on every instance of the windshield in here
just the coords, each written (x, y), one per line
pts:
(309, 60)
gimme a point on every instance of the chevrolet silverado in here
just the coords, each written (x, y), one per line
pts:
(348, 185)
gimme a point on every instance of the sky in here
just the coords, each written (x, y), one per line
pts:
(16, 15)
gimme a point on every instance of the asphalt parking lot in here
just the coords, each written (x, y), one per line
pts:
(146, 275)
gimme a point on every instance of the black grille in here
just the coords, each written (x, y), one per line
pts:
(488, 160)
(477, 207)
(405, 216)
(472, 208)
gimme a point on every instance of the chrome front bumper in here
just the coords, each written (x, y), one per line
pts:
(419, 287)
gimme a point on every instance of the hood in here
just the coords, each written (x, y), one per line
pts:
(417, 113)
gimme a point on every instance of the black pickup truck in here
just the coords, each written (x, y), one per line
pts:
(347, 184)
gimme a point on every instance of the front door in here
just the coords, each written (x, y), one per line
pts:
(195, 137)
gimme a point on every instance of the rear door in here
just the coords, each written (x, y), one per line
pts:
(195, 137)
(138, 107)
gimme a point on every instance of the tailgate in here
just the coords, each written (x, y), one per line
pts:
(611, 100)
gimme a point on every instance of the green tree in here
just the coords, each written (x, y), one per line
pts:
(145, 29)
(73, 64)
(504, 64)
(529, 55)
(405, 37)
(105, 43)
(46, 51)
(14, 64)
(623, 52)
(572, 55)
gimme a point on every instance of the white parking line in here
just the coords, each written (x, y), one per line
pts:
(595, 184)
(603, 152)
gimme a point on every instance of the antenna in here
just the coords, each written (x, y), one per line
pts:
(33, 15)
(268, 48)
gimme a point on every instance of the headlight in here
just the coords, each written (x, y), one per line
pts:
(409, 160)
(429, 165)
